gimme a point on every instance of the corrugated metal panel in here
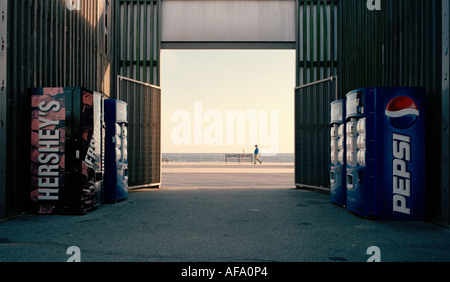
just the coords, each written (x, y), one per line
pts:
(50, 44)
(317, 52)
(138, 40)
(138, 45)
(400, 46)
(144, 131)
(317, 60)
(312, 134)
(230, 24)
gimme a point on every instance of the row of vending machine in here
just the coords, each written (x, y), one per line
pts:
(79, 148)
(378, 153)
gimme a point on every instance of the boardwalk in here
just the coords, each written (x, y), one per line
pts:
(228, 176)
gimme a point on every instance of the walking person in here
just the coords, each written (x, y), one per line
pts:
(257, 155)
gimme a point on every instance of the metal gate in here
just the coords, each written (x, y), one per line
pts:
(312, 134)
(144, 131)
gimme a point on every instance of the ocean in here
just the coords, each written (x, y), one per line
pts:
(222, 158)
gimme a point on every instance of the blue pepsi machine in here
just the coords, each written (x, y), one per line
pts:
(116, 151)
(385, 137)
(338, 168)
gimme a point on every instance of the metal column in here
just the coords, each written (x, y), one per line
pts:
(445, 111)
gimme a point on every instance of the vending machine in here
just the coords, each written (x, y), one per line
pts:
(116, 157)
(338, 160)
(66, 150)
(385, 134)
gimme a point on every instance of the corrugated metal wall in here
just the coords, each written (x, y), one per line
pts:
(144, 131)
(317, 48)
(138, 45)
(397, 46)
(317, 59)
(50, 44)
(138, 40)
(401, 46)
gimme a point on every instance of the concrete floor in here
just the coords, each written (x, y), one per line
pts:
(218, 213)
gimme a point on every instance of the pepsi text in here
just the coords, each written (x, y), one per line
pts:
(401, 148)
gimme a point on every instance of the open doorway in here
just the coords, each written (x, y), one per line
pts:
(216, 106)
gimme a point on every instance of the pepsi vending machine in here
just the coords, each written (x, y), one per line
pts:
(385, 134)
(66, 150)
(338, 168)
(116, 152)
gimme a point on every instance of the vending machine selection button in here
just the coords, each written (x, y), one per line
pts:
(341, 130)
(118, 154)
(361, 127)
(341, 157)
(124, 130)
(118, 130)
(118, 143)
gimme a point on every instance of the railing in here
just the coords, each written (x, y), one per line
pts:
(144, 131)
(239, 157)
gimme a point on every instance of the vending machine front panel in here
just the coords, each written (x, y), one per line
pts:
(337, 173)
(386, 153)
(116, 158)
(402, 115)
(66, 140)
(48, 137)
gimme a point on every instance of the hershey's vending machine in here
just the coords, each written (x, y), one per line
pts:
(116, 151)
(66, 150)
(338, 149)
(386, 153)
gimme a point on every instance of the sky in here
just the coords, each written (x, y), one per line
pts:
(227, 101)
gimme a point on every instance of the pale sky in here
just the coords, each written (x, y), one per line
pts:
(205, 93)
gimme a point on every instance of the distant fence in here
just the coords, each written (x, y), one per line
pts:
(239, 157)
(144, 131)
(312, 134)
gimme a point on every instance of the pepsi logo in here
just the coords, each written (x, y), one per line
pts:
(402, 112)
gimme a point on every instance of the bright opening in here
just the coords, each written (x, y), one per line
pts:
(227, 101)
